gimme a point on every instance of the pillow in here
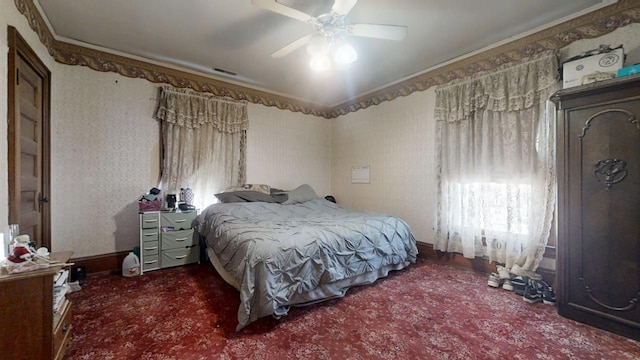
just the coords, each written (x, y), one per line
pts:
(244, 196)
(249, 196)
(279, 195)
(301, 194)
(265, 189)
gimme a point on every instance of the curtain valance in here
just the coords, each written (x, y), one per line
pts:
(191, 109)
(507, 88)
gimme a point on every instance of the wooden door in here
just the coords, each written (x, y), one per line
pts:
(28, 140)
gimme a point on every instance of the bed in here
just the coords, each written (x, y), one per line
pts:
(280, 253)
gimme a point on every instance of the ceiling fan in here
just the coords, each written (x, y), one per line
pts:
(329, 32)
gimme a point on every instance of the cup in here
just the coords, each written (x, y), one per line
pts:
(14, 230)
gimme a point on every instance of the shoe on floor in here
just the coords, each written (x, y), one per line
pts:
(517, 270)
(519, 284)
(548, 295)
(494, 280)
(507, 285)
(503, 272)
(532, 292)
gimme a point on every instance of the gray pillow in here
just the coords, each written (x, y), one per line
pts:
(301, 194)
(248, 196)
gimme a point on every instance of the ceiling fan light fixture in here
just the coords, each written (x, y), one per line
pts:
(318, 46)
(330, 31)
(345, 54)
(320, 63)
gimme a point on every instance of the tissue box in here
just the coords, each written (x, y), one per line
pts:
(629, 70)
(573, 72)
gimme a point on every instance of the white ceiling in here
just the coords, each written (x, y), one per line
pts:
(236, 36)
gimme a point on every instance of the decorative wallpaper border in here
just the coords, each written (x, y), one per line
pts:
(591, 25)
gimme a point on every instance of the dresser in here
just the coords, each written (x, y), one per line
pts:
(167, 239)
(598, 164)
(30, 328)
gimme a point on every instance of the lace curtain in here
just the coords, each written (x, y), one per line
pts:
(495, 171)
(204, 142)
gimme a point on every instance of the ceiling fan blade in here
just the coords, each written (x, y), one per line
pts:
(276, 7)
(294, 45)
(387, 32)
(342, 7)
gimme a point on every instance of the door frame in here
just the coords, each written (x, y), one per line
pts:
(18, 47)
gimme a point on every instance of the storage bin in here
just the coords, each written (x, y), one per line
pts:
(154, 205)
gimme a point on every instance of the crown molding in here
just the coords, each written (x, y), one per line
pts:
(71, 54)
(591, 25)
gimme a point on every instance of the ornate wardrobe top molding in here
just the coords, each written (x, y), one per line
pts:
(591, 25)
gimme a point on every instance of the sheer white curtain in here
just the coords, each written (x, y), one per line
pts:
(204, 143)
(495, 154)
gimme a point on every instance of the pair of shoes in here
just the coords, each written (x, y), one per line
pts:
(494, 280)
(532, 292)
(539, 291)
(519, 284)
(505, 277)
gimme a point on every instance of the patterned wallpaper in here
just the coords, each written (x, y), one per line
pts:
(105, 155)
(286, 149)
(396, 140)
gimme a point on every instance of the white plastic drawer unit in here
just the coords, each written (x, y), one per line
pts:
(167, 239)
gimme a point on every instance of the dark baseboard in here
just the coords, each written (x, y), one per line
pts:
(113, 262)
(426, 251)
(478, 264)
(102, 263)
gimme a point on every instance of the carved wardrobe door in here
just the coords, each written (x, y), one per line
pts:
(598, 159)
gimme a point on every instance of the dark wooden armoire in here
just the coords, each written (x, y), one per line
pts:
(598, 165)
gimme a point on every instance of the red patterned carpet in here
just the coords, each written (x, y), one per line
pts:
(429, 311)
